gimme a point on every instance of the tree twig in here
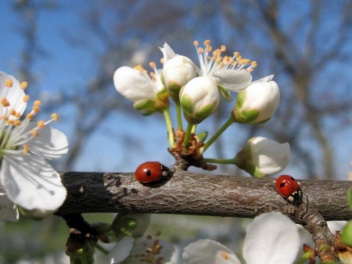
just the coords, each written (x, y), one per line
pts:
(196, 194)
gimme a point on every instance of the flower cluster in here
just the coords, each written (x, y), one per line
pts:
(27, 180)
(196, 92)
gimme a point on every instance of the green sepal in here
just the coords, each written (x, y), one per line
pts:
(199, 116)
(174, 91)
(225, 93)
(246, 117)
(243, 160)
(146, 107)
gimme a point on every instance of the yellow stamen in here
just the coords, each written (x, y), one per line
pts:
(223, 48)
(37, 103)
(139, 68)
(24, 85)
(36, 109)
(152, 75)
(17, 122)
(41, 124)
(207, 42)
(5, 102)
(162, 60)
(35, 133)
(200, 50)
(55, 116)
(26, 98)
(195, 43)
(25, 149)
(30, 116)
(152, 64)
(8, 83)
(13, 112)
(225, 255)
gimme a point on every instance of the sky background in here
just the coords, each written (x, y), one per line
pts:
(62, 66)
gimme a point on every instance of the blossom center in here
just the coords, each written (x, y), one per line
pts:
(211, 60)
(14, 131)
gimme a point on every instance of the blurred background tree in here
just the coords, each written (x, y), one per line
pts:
(68, 51)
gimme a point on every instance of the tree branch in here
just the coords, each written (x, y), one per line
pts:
(199, 194)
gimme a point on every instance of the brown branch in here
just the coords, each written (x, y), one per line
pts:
(198, 194)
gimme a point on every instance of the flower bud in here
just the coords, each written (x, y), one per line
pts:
(148, 94)
(258, 102)
(177, 71)
(262, 156)
(199, 99)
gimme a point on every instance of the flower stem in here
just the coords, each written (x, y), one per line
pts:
(220, 161)
(188, 135)
(101, 249)
(228, 123)
(170, 131)
(179, 115)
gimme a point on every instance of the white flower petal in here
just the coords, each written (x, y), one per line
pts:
(168, 52)
(232, 79)
(206, 251)
(268, 155)
(50, 143)
(271, 238)
(263, 97)
(179, 70)
(121, 250)
(8, 210)
(133, 84)
(31, 182)
(14, 94)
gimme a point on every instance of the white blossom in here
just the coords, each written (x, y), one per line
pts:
(27, 178)
(262, 156)
(258, 102)
(271, 238)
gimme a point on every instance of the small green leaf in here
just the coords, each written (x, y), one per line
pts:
(202, 136)
(346, 234)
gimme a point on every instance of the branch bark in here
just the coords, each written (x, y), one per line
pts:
(199, 194)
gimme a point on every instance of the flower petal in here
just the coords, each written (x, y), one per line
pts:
(50, 143)
(168, 52)
(14, 95)
(271, 238)
(121, 250)
(133, 84)
(31, 182)
(268, 155)
(232, 79)
(8, 210)
(206, 251)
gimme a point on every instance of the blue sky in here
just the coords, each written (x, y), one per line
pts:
(68, 68)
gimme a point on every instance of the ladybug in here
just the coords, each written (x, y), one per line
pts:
(289, 188)
(151, 172)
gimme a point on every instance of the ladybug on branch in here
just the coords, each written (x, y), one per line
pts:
(289, 188)
(152, 174)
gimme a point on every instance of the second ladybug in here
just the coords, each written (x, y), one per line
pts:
(152, 172)
(289, 188)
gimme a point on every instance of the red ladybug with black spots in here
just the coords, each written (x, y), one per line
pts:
(151, 173)
(289, 188)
